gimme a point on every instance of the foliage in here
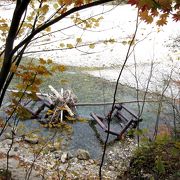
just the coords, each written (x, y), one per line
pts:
(156, 160)
(157, 9)
(30, 76)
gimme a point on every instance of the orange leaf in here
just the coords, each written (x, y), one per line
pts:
(144, 15)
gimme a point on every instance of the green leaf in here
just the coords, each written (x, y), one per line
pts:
(160, 166)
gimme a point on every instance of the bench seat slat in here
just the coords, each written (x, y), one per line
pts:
(99, 121)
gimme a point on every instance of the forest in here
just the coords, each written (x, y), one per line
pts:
(89, 89)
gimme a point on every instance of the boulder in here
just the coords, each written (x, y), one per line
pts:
(82, 154)
(32, 140)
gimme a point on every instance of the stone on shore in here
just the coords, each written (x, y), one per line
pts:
(82, 154)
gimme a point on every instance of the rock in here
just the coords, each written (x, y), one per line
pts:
(111, 168)
(57, 155)
(16, 148)
(32, 140)
(74, 161)
(12, 153)
(70, 155)
(7, 142)
(83, 154)
(91, 161)
(64, 157)
(8, 135)
(18, 139)
(51, 148)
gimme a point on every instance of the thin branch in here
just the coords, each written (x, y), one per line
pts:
(115, 92)
(53, 21)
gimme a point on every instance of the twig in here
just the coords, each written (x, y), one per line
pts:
(115, 92)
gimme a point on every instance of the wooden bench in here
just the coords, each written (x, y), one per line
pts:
(125, 118)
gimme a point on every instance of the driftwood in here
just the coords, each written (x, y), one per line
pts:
(60, 99)
(56, 102)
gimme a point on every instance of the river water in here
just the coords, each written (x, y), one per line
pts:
(90, 89)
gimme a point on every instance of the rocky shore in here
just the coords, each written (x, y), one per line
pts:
(33, 159)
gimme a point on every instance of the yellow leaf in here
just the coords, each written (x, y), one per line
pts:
(61, 68)
(96, 24)
(2, 20)
(4, 27)
(92, 46)
(29, 25)
(48, 29)
(42, 61)
(49, 61)
(13, 68)
(70, 46)
(68, 2)
(79, 2)
(60, 2)
(45, 9)
(112, 41)
(62, 45)
(53, 68)
(78, 40)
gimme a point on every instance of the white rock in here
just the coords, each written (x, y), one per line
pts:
(64, 157)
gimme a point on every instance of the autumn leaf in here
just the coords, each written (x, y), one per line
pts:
(176, 17)
(78, 40)
(152, 8)
(79, 2)
(42, 61)
(61, 45)
(154, 12)
(165, 4)
(44, 9)
(13, 68)
(60, 2)
(61, 68)
(4, 27)
(163, 20)
(68, 2)
(146, 17)
(49, 61)
(48, 29)
(133, 2)
(70, 46)
(92, 46)
(146, 4)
